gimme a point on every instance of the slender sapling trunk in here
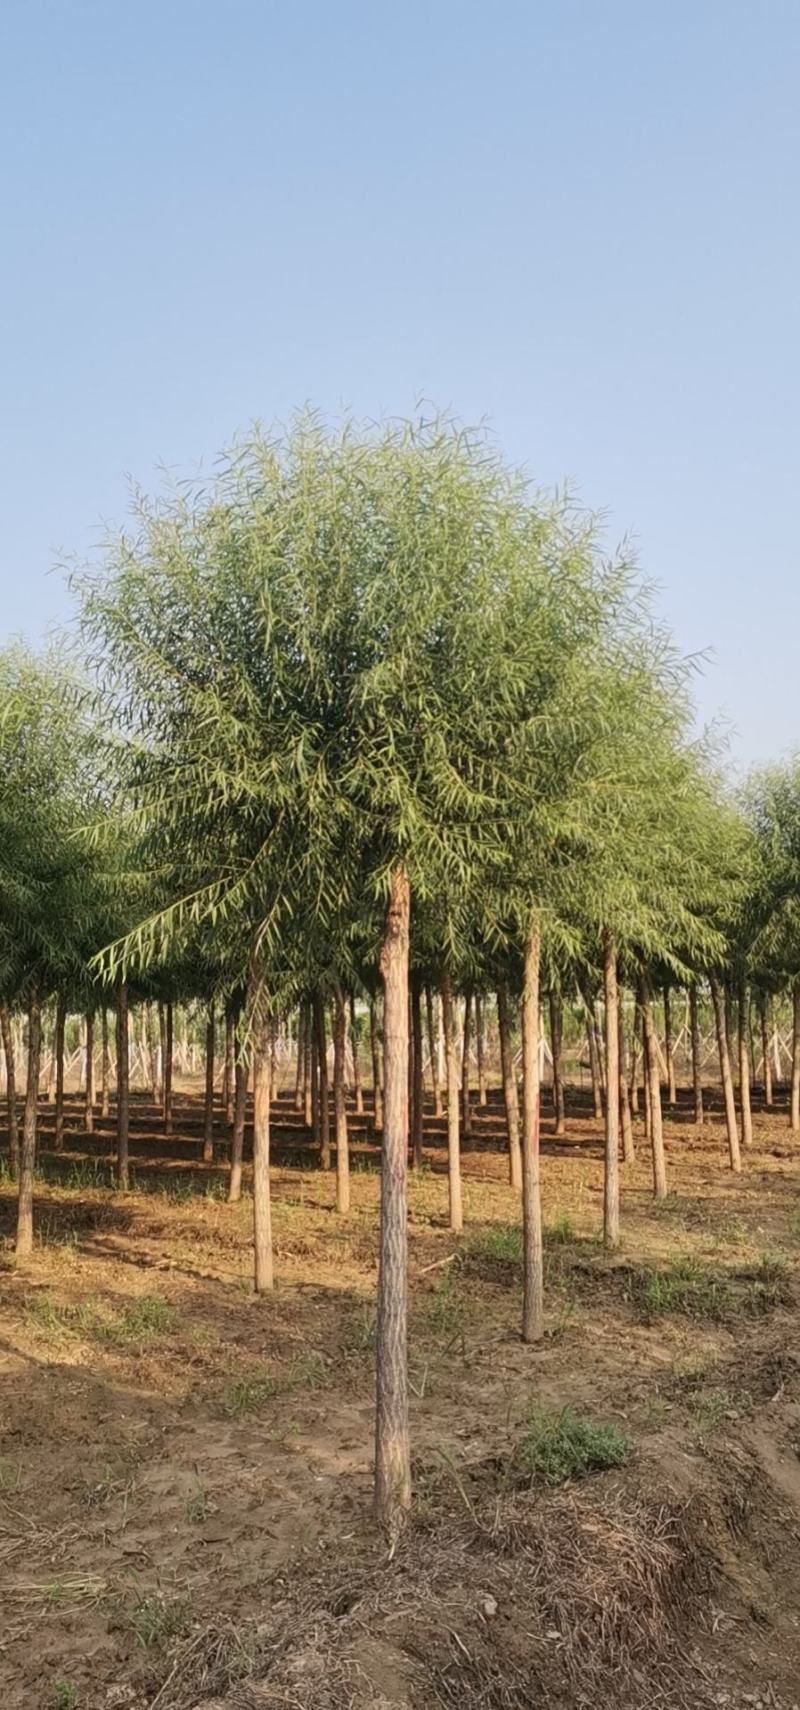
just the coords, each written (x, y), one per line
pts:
(392, 1441)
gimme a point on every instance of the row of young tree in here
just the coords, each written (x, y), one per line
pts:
(367, 715)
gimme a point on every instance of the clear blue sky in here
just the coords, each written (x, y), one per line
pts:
(577, 218)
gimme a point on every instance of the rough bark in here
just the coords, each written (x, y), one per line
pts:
(417, 1086)
(556, 1036)
(697, 1070)
(653, 1093)
(466, 1108)
(509, 1087)
(721, 1022)
(169, 1027)
(453, 1125)
(626, 1123)
(123, 1087)
(322, 1082)
(301, 1057)
(375, 1047)
(208, 1112)
(229, 1070)
(239, 1117)
(794, 1104)
(594, 1059)
(744, 1066)
(24, 1241)
(668, 1048)
(89, 1106)
(339, 1106)
(433, 1047)
(11, 1089)
(532, 1252)
(480, 1047)
(58, 1054)
(392, 1443)
(358, 1089)
(633, 1080)
(308, 1057)
(316, 1129)
(767, 1070)
(105, 1063)
(611, 1176)
(262, 1207)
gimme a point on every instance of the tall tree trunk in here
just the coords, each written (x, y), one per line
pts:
(453, 1138)
(721, 1021)
(89, 1109)
(239, 1119)
(392, 1443)
(767, 1070)
(794, 1107)
(509, 1086)
(433, 1046)
(51, 1069)
(316, 1125)
(339, 1106)
(24, 1243)
(169, 1017)
(480, 1047)
(654, 1093)
(229, 1070)
(11, 1089)
(633, 1081)
(262, 1207)
(58, 1050)
(556, 1037)
(301, 1058)
(626, 1123)
(697, 1068)
(162, 1055)
(105, 1064)
(123, 1087)
(322, 1082)
(744, 1066)
(646, 1101)
(594, 1059)
(668, 1047)
(208, 1113)
(418, 1089)
(532, 1250)
(308, 1059)
(611, 1178)
(357, 1085)
(466, 1108)
(375, 1047)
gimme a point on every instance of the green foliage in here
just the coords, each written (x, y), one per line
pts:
(557, 1446)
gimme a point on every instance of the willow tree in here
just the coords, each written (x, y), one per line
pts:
(771, 951)
(46, 886)
(305, 670)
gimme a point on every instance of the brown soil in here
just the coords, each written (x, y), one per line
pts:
(186, 1472)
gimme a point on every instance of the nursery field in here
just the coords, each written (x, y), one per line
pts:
(611, 1516)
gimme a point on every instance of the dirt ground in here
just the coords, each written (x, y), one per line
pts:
(185, 1479)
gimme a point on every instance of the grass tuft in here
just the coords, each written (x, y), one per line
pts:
(558, 1446)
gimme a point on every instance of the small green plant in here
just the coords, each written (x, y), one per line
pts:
(248, 1395)
(199, 1504)
(359, 1334)
(10, 1476)
(711, 1408)
(144, 1319)
(63, 1695)
(555, 1447)
(444, 1309)
(156, 1619)
(560, 1230)
(502, 1241)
